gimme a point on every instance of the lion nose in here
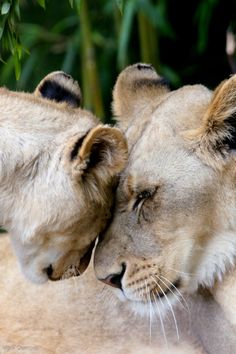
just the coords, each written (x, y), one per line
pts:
(115, 280)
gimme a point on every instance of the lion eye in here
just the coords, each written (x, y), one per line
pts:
(141, 197)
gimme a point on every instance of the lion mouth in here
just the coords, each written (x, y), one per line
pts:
(75, 271)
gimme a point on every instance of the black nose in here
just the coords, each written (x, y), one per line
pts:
(49, 271)
(115, 280)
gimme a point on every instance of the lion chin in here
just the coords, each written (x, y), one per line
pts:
(156, 307)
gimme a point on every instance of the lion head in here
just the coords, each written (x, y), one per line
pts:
(174, 221)
(57, 170)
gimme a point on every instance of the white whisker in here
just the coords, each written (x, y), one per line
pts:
(170, 306)
(177, 298)
(160, 318)
(177, 290)
(184, 273)
(150, 314)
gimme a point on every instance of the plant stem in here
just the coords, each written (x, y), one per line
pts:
(91, 86)
(148, 41)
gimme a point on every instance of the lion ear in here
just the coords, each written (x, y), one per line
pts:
(97, 157)
(60, 87)
(217, 134)
(138, 87)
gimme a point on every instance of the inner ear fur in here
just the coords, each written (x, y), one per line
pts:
(138, 87)
(217, 133)
(60, 87)
(97, 157)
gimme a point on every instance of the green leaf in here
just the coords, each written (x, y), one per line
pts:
(19, 50)
(17, 9)
(1, 32)
(42, 3)
(125, 32)
(5, 8)
(17, 66)
(10, 42)
(78, 5)
(71, 3)
(120, 4)
(2, 61)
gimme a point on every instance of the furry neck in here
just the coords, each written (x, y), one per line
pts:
(218, 257)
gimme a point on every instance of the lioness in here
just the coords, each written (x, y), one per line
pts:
(174, 221)
(56, 174)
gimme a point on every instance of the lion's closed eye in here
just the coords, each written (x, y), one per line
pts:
(140, 200)
(141, 197)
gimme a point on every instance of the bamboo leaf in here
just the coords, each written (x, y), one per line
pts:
(10, 42)
(71, 3)
(19, 50)
(17, 9)
(125, 32)
(69, 58)
(78, 5)
(2, 61)
(5, 8)
(203, 17)
(120, 4)
(42, 3)
(17, 66)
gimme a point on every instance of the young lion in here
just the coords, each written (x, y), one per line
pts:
(56, 173)
(175, 218)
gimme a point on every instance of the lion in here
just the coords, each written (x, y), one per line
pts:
(58, 168)
(174, 222)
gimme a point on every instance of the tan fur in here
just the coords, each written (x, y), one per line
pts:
(79, 315)
(54, 198)
(174, 223)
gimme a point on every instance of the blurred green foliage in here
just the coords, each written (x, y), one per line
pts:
(94, 40)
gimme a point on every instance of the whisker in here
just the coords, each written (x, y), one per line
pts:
(150, 314)
(160, 317)
(184, 273)
(177, 290)
(170, 306)
(177, 298)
